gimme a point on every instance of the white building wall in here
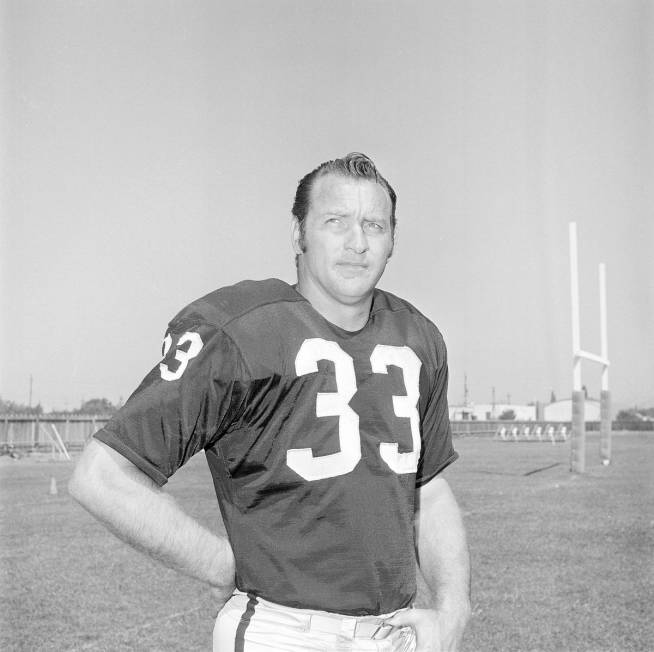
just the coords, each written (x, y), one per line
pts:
(557, 411)
(562, 410)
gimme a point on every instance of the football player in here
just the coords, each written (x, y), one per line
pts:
(322, 411)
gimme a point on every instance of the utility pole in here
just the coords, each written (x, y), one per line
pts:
(30, 400)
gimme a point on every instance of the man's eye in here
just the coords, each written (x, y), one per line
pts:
(334, 220)
(374, 226)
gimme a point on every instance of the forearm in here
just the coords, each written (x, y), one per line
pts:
(442, 605)
(443, 557)
(151, 521)
(136, 510)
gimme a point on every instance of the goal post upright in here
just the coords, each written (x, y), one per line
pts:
(578, 425)
(578, 434)
(605, 397)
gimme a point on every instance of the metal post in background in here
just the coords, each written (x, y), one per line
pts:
(578, 434)
(605, 427)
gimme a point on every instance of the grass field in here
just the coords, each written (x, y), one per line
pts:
(560, 561)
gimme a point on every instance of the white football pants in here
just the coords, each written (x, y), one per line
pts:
(249, 624)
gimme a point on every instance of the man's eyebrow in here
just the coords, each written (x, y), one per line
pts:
(367, 218)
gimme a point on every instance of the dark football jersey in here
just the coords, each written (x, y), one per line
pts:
(316, 438)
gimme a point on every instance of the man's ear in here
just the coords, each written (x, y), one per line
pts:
(390, 253)
(296, 236)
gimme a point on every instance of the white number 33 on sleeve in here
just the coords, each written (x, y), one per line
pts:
(181, 355)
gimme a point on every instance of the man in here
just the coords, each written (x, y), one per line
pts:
(322, 411)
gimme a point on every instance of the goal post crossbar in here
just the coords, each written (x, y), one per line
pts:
(591, 357)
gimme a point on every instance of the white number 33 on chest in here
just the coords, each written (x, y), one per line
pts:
(318, 467)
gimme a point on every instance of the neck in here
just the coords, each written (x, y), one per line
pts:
(348, 316)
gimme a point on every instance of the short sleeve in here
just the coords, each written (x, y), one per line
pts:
(437, 449)
(186, 402)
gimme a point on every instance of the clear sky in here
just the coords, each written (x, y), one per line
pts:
(151, 150)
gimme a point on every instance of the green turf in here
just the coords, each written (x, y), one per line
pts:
(560, 561)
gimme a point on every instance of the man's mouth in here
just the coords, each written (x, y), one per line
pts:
(352, 270)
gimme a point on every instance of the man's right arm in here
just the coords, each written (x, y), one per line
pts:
(138, 511)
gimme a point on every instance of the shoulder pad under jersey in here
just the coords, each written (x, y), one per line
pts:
(388, 301)
(225, 304)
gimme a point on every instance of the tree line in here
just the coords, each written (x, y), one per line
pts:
(93, 406)
(105, 407)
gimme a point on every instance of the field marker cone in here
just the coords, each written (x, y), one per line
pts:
(53, 486)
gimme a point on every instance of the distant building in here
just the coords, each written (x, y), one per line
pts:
(556, 411)
(562, 410)
(490, 412)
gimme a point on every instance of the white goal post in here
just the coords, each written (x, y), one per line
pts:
(578, 434)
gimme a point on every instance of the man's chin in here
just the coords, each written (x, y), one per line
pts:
(355, 290)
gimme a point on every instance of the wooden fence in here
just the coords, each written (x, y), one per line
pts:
(27, 432)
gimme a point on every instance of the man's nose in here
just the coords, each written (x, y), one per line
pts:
(356, 239)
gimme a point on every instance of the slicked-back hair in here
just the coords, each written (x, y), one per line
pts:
(356, 166)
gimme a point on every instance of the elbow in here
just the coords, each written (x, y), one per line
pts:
(88, 482)
(103, 479)
(80, 483)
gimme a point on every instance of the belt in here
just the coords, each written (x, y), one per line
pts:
(350, 627)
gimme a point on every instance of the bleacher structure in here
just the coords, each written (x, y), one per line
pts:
(57, 446)
(543, 432)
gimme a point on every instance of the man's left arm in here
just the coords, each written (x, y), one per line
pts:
(443, 611)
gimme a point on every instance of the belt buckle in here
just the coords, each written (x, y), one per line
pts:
(382, 631)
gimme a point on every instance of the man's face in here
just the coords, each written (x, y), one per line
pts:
(347, 239)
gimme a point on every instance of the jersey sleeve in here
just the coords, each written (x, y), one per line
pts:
(437, 450)
(183, 405)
